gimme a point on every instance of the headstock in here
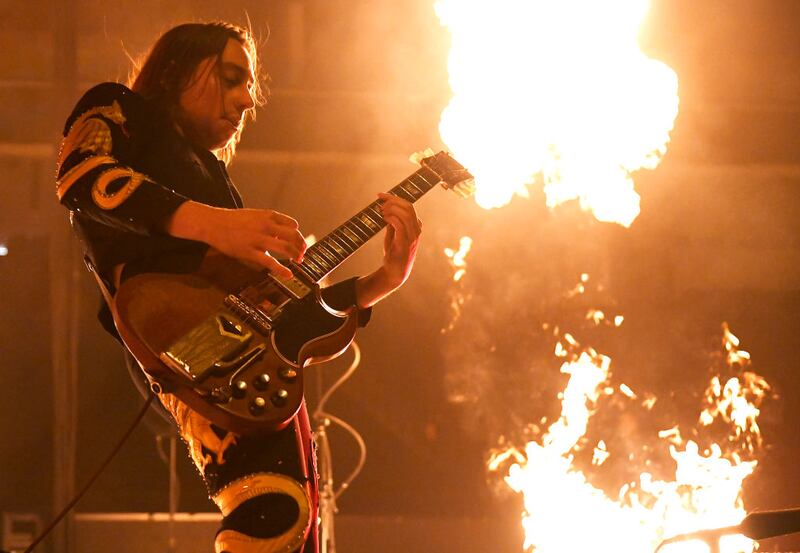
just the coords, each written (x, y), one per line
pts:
(453, 175)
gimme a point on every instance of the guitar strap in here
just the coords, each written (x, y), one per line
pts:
(108, 297)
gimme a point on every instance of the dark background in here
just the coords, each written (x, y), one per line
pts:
(355, 88)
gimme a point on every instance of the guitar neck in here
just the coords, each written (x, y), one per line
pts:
(331, 251)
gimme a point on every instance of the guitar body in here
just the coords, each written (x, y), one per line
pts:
(241, 374)
(232, 342)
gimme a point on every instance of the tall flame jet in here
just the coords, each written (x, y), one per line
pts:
(556, 91)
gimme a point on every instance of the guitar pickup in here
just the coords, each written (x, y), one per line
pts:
(208, 347)
(293, 286)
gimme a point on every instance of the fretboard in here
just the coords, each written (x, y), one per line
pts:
(329, 252)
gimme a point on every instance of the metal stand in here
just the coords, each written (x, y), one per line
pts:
(172, 544)
(174, 485)
(328, 494)
(327, 497)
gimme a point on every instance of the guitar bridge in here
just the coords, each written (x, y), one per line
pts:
(212, 346)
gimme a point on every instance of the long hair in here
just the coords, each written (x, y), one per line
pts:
(169, 66)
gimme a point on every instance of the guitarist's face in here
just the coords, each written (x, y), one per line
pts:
(211, 109)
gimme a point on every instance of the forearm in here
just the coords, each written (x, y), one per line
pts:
(372, 288)
(192, 221)
(249, 235)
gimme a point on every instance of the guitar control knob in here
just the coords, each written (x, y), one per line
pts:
(289, 375)
(279, 398)
(221, 394)
(239, 389)
(261, 381)
(258, 405)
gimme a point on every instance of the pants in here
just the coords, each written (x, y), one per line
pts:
(265, 486)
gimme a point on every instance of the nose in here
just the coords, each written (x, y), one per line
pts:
(245, 99)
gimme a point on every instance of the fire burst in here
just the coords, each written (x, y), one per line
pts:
(559, 91)
(706, 491)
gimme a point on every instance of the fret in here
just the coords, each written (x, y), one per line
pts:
(318, 274)
(405, 194)
(371, 225)
(409, 186)
(308, 262)
(431, 180)
(427, 183)
(351, 235)
(309, 271)
(339, 255)
(378, 218)
(331, 244)
(340, 244)
(342, 238)
(354, 224)
(322, 251)
(313, 275)
(418, 189)
(319, 260)
(306, 271)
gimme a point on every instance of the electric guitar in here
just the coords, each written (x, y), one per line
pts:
(232, 342)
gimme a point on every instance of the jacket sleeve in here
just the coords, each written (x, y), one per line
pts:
(98, 171)
(342, 296)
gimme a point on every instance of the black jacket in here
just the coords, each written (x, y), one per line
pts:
(123, 170)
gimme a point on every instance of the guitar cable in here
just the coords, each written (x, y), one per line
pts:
(324, 419)
(328, 494)
(43, 534)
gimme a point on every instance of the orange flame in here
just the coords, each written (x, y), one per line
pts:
(705, 493)
(556, 90)
(458, 262)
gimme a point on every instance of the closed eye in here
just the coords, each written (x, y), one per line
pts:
(233, 75)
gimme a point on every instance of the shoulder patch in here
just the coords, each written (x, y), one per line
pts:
(90, 133)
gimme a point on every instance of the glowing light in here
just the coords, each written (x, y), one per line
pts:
(556, 91)
(3, 250)
(601, 454)
(457, 258)
(596, 315)
(705, 492)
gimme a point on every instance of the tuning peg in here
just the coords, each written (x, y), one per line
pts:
(465, 189)
(417, 157)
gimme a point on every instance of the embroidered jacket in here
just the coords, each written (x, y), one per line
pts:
(123, 170)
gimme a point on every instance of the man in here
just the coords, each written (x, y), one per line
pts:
(142, 171)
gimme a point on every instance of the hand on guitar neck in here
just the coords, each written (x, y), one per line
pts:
(399, 251)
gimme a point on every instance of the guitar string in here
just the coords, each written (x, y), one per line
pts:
(252, 294)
